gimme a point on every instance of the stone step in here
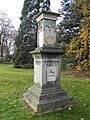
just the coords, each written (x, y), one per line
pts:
(58, 93)
(31, 97)
(48, 104)
(52, 95)
(63, 98)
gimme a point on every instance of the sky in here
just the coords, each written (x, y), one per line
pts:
(13, 9)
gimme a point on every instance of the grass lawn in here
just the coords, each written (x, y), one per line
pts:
(14, 82)
(5, 65)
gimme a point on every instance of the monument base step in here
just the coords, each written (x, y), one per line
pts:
(44, 101)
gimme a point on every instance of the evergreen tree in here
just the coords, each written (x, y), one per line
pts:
(67, 29)
(69, 26)
(26, 38)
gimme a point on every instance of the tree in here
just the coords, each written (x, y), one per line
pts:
(67, 29)
(69, 26)
(79, 45)
(26, 38)
(7, 35)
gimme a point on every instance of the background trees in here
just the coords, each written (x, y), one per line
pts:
(69, 26)
(7, 35)
(79, 45)
(67, 29)
(74, 30)
(26, 38)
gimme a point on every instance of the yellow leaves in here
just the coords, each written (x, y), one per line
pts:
(84, 8)
(84, 34)
(72, 47)
(78, 68)
(79, 53)
(84, 65)
(79, 45)
(79, 48)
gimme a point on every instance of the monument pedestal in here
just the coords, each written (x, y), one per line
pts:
(46, 95)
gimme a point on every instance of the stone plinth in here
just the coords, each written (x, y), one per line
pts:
(46, 95)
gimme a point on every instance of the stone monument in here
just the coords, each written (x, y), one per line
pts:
(46, 95)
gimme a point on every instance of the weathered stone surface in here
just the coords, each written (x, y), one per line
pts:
(46, 95)
(48, 99)
(46, 32)
(47, 67)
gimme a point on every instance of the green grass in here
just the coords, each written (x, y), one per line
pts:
(5, 65)
(14, 82)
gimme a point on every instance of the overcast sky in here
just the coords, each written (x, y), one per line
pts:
(13, 9)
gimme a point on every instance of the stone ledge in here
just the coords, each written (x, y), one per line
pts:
(51, 50)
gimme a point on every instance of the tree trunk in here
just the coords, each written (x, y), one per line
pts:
(1, 53)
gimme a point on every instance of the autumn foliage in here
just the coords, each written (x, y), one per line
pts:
(79, 45)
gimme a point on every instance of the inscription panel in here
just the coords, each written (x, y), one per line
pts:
(51, 73)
